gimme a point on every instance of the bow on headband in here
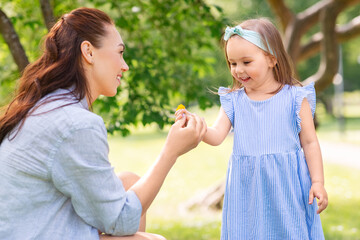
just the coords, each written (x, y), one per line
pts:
(248, 35)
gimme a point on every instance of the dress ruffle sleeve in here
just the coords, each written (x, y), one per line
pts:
(227, 103)
(307, 92)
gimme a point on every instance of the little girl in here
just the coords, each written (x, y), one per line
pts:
(275, 170)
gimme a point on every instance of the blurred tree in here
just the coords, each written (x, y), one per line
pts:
(166, 46)
(296, 25)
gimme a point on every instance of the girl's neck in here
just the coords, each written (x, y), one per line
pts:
(263, 92)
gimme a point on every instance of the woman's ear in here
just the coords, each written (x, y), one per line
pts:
(87, 52)
(271, 60)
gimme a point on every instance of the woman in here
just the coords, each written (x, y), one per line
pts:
(55, 178)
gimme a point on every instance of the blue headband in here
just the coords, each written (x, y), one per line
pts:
(251, 36)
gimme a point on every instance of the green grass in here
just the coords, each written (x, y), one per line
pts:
(199, 169)
(206, 165)
(181, 230)
(341, 220)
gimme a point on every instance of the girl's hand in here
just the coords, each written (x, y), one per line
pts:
(318, 190)
(183, 113)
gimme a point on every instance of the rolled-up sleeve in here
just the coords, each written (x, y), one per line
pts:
(81, 171)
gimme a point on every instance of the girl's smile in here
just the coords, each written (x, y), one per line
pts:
(246, 79)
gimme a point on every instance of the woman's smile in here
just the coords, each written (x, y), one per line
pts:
(118, 78)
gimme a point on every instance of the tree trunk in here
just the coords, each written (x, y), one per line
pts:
(329, 49)
(343, 34)
(12, 40)
(47, 12)
(296, 25)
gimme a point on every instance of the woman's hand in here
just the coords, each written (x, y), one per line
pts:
(318, 190)
(180, 140)
(185, 134)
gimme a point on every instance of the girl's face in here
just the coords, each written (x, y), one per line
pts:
(248, 63)
(107, 64)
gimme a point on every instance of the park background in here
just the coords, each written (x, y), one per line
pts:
(174, 56)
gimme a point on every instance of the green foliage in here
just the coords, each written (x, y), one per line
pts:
(23, 15)
(165, 46)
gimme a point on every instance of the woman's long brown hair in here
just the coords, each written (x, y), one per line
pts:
(60, 65)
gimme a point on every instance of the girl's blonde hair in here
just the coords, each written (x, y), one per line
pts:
(283, 70)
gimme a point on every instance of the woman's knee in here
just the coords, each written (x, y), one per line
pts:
(128, 179)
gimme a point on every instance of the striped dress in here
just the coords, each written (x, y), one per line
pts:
(268, 182)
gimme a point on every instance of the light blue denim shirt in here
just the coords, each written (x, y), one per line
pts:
(56, 181)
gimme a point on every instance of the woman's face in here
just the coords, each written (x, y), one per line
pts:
(108, 65)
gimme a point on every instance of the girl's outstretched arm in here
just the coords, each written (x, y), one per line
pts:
(215, 134)
(311, 146)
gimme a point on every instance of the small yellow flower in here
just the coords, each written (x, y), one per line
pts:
(180, 107)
